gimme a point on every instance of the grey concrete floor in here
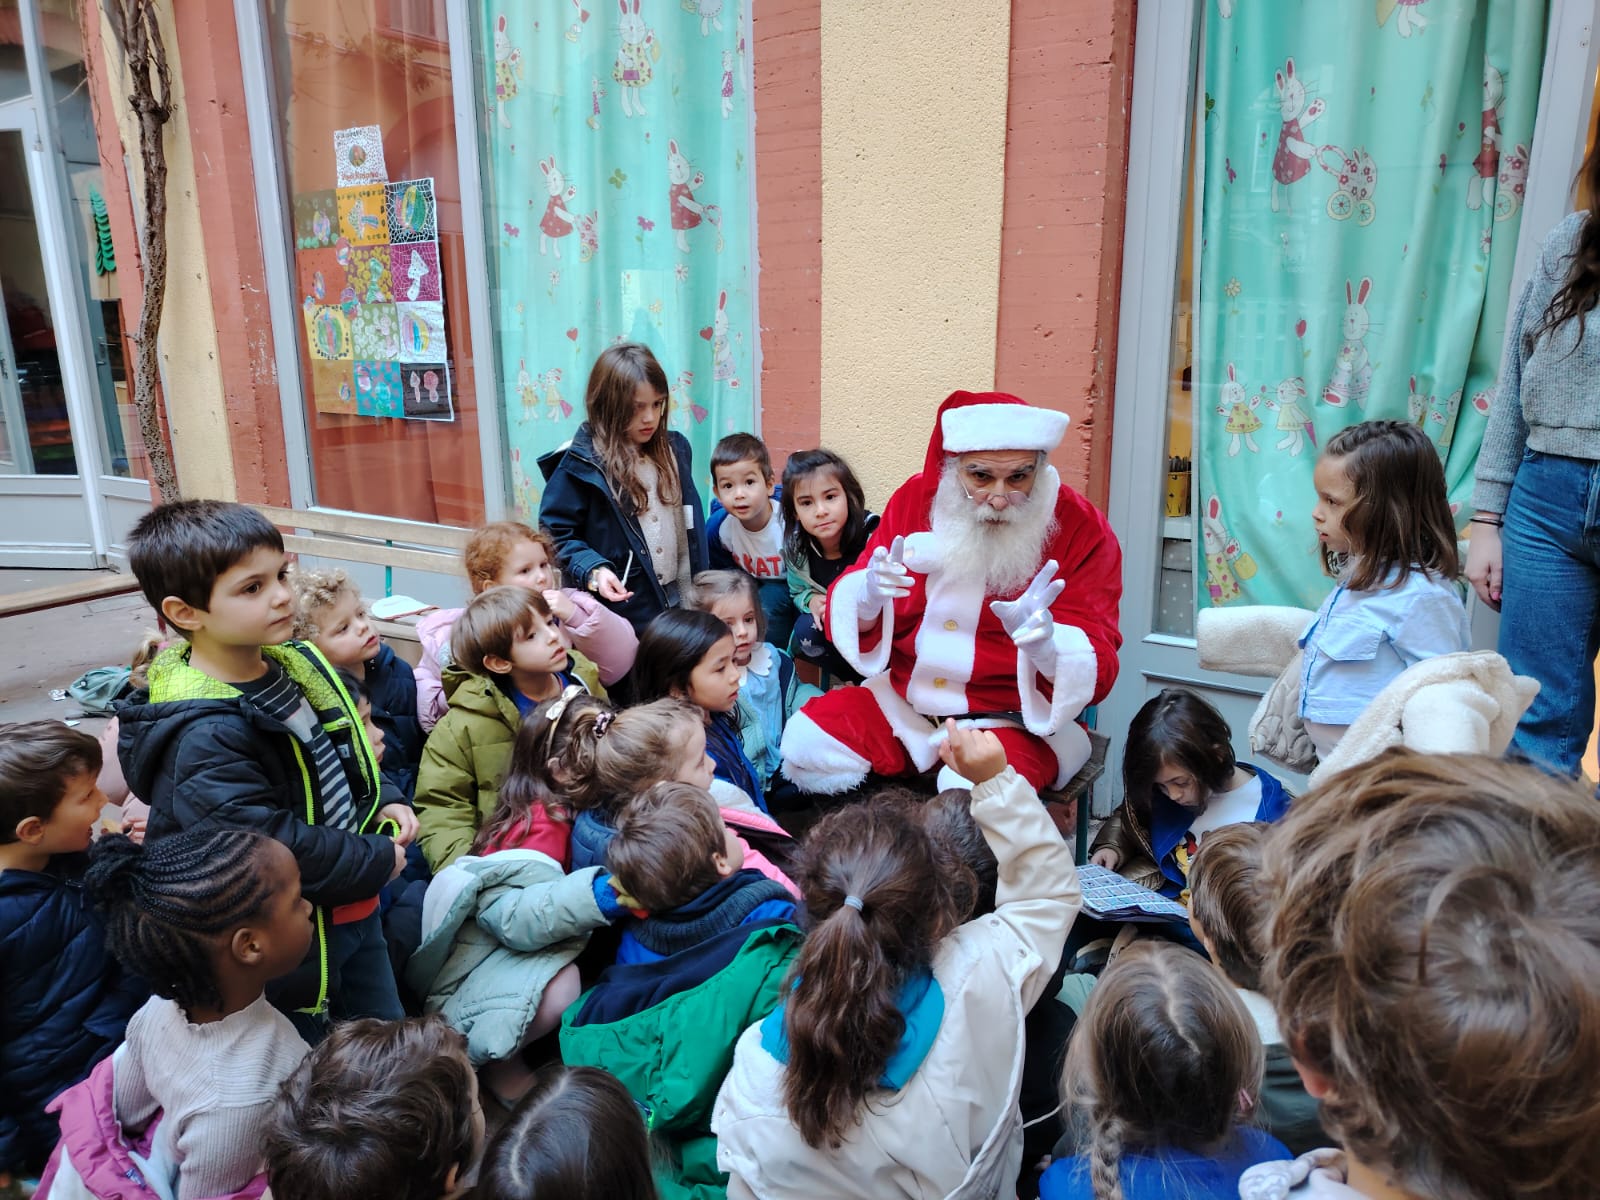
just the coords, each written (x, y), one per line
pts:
(46, 650)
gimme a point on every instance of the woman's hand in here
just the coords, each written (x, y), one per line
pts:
(1106, 857)
(973, 754)
(604, 583)
(1484, 569)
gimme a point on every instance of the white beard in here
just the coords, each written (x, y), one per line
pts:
(1006, 548)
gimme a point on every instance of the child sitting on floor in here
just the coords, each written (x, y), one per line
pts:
(1227, 909)
(1162, 1072)
(64, 1001)
(509, 654)
(208, 916)
(769, 690)
(615, 756)
(1434, 960)
(577, 1135)
(330, 615)
(511, 554)
(1180, 782)
(380, 1108)
(688, 655)
(676, 859)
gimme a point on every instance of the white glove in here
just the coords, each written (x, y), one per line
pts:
(1029, 621)
(887, 580)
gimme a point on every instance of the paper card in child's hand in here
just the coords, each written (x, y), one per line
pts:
(1110, 897)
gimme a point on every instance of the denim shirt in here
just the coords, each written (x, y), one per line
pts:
(1360, 642)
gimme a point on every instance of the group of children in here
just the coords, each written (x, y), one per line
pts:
(556, 839)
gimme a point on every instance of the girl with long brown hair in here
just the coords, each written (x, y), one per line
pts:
(1161, 1074)
(1383, 522)
(1535, 548)
(894, 1064)
(621, 500)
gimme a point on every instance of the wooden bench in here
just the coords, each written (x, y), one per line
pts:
(377, 541)
(96, 586)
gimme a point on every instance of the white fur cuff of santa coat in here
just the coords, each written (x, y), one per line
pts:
(1072, 688)
(844, 625)
(1002, 427)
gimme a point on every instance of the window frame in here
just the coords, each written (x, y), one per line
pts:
(277, 248)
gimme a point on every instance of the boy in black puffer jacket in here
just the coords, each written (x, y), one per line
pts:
(64, 1001)
(242, 728)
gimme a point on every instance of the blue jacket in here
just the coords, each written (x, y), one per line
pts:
(591, 530)
(1169, 1173)
(393, 689)
(64, 1003)
(743, 898)
(1169, 825)
(727, 751)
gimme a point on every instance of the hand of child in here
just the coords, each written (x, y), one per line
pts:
(607, 586)
(135, 817)
(403, 817)
(1106, 857)
(818, 606)
(399, 862)
(973, 754)
(560, 605)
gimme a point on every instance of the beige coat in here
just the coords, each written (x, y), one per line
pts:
(954, 1130)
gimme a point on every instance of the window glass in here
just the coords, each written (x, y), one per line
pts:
(89, 237)
(368, 135)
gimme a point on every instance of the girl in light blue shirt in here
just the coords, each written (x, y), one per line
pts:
(1384, 523)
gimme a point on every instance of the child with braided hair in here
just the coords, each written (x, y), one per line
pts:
(208, 916)
(1162, 1073)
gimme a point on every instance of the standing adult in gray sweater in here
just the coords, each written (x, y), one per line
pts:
(1535, 548)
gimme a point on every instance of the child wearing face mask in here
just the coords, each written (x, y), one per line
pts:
(1180, 782)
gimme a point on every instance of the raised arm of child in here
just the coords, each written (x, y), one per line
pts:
(1038, 896)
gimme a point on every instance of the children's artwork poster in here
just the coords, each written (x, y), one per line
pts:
(371, 292)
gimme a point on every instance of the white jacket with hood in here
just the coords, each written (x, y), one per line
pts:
(954, 1129)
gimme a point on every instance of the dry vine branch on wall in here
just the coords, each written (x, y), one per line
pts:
(133, 23)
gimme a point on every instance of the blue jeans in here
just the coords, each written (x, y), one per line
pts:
(1550, 603)
(361, 979)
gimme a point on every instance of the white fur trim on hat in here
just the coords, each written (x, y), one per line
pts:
(1002, 427)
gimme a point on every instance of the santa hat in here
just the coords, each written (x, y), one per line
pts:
(971, 421)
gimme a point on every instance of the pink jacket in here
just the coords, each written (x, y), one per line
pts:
(94, 1160)
(597, 633)
(742, 820)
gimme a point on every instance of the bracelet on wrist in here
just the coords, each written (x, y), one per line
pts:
(1497, 522)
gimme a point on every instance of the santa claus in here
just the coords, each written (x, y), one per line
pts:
(988, 593)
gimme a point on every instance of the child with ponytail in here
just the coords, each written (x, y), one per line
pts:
(1162, 1072)
(614, 756)
(894, 1065)
(208, 916)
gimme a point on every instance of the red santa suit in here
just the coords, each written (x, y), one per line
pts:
(942, 651)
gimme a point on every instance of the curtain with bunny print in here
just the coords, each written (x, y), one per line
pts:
(1360, 180)
(619, 200)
